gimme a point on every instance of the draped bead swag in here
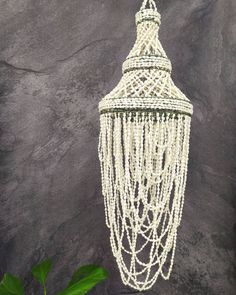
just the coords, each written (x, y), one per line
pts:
(143, 151)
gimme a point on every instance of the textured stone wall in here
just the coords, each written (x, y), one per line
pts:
(57, 59)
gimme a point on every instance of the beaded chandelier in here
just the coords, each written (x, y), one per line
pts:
(143, 151)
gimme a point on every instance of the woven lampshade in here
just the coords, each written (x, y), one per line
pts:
(143, 151)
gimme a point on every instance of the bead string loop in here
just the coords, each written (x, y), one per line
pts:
(151, 4)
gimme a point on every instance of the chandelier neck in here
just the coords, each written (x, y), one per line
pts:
(147, 42)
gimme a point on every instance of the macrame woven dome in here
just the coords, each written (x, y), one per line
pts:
(143, 151)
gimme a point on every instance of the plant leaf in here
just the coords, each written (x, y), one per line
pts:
(84, 279)
(3, 290)
(82, 272)
(11, 285)
(41, 270)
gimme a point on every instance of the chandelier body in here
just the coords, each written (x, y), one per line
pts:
(143, 151)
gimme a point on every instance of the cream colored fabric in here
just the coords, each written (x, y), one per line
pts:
(143, 151)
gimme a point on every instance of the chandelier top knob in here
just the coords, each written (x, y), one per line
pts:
(148, 14)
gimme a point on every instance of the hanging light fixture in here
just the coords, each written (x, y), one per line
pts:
(143, 151)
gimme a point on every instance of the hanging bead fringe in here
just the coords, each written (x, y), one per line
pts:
(144, 168)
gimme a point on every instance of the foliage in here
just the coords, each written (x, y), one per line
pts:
(82, 281)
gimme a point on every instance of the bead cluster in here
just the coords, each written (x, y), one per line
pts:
(144, 168)
(143, 151)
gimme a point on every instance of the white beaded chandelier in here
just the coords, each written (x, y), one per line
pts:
(143, 151)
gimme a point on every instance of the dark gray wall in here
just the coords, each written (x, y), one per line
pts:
(57, 59)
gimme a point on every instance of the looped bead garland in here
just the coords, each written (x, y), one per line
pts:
(143, 151)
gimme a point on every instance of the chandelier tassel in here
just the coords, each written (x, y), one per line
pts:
(143, 152)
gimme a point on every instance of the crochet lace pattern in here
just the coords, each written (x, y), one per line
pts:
(143, 151)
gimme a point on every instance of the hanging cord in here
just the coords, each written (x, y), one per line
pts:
(150, 3)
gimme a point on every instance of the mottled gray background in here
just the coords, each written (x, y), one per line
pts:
(57, 59)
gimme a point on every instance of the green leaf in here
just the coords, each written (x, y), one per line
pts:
(3, 290)
(83, 272)
(84, 279)
(41, 270)
(11, 285)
